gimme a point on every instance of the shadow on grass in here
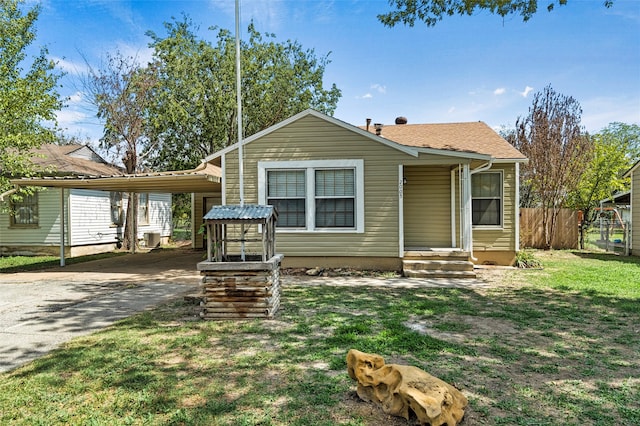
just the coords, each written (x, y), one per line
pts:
(523, 353)
(607, 257)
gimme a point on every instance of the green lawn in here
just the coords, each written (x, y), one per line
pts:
(10, 264)
(557, 346)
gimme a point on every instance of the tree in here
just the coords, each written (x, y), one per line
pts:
(432, 11)
(28, 99)
(194, 110)
(122, 92)
(558, 149)
(615, 150)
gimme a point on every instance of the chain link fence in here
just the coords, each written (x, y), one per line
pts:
(611, 235)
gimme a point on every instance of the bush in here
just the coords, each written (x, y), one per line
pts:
(526, 259)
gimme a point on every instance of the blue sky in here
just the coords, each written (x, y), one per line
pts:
(473, 68)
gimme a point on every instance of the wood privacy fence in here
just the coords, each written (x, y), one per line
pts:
(532, 233)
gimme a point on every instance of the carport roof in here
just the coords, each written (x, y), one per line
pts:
(204, 178)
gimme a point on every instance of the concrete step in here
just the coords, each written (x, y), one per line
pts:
(436, 255)
(438, 274)
(430, 265)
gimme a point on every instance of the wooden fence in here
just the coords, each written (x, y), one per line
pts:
(532, 233)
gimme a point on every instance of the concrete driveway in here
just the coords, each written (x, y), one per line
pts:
(41, 310)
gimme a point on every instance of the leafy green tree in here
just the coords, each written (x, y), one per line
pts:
(432, 11)
(28, 96)
(122, 92)
(194, 110)
(558, 150)
(615, 149)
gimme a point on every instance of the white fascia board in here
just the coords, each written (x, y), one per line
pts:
(510, 160)
(631, 170)
(457, 154)
(406, 149)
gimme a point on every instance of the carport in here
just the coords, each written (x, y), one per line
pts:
(204, 178)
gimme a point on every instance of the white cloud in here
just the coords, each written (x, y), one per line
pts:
(76, 98)
(379, 88)
(500, 91)
(527, 90)
(70, 67)
(365, 96)
(451, 110)
(68, 117)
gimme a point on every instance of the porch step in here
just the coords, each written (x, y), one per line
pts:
(438, 274)
(437, 264)
(436, 255)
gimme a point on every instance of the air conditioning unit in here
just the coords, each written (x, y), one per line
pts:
(151, 239)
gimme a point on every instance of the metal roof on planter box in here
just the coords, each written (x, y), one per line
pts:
(246, 213)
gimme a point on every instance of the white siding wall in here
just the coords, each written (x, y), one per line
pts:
(90, 218)
(159, 216)
(48, 230)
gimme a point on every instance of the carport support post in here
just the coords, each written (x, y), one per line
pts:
(62, 229)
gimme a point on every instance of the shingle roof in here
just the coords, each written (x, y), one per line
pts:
(58, 158)
(474, 137)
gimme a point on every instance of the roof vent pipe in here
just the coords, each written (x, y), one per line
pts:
(378, 127)
(401, 120)
(368, 123)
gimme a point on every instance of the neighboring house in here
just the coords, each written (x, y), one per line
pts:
(348, 197)
(94, 219)
(634, 174)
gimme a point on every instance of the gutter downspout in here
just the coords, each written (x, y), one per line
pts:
(467, 188)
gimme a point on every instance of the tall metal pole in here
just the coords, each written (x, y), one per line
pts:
(62, 226)
(239, 120)
(239, 102)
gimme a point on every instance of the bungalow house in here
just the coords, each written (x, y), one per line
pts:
(93, 219)
(378, 197)
(634, 174)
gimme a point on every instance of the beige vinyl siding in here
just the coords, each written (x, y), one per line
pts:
(635, 212)
(198, 210)
(313, 139)
(504, 238)
(427, 207)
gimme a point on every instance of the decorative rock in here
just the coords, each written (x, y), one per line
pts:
(314, 272)
(402, 389)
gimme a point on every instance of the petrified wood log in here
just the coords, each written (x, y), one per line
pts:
(402, 389)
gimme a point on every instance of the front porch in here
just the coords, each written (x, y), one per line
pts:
(437, 263)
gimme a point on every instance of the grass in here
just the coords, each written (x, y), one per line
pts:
(557, 346)
(12, 264)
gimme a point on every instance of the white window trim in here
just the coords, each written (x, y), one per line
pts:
(502, 198)
(310, 166)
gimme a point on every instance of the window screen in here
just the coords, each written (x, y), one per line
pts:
(486, 193)
(286, 191)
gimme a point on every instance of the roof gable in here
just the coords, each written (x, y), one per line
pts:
(72, 160)
(632, 169)
(473, 140)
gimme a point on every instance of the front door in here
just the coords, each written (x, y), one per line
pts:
(427, 207)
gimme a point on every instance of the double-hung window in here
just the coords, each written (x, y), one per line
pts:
(317, 195)
(24, 212)
(486, 199)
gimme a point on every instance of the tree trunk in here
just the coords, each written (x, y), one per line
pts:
(130, 239)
